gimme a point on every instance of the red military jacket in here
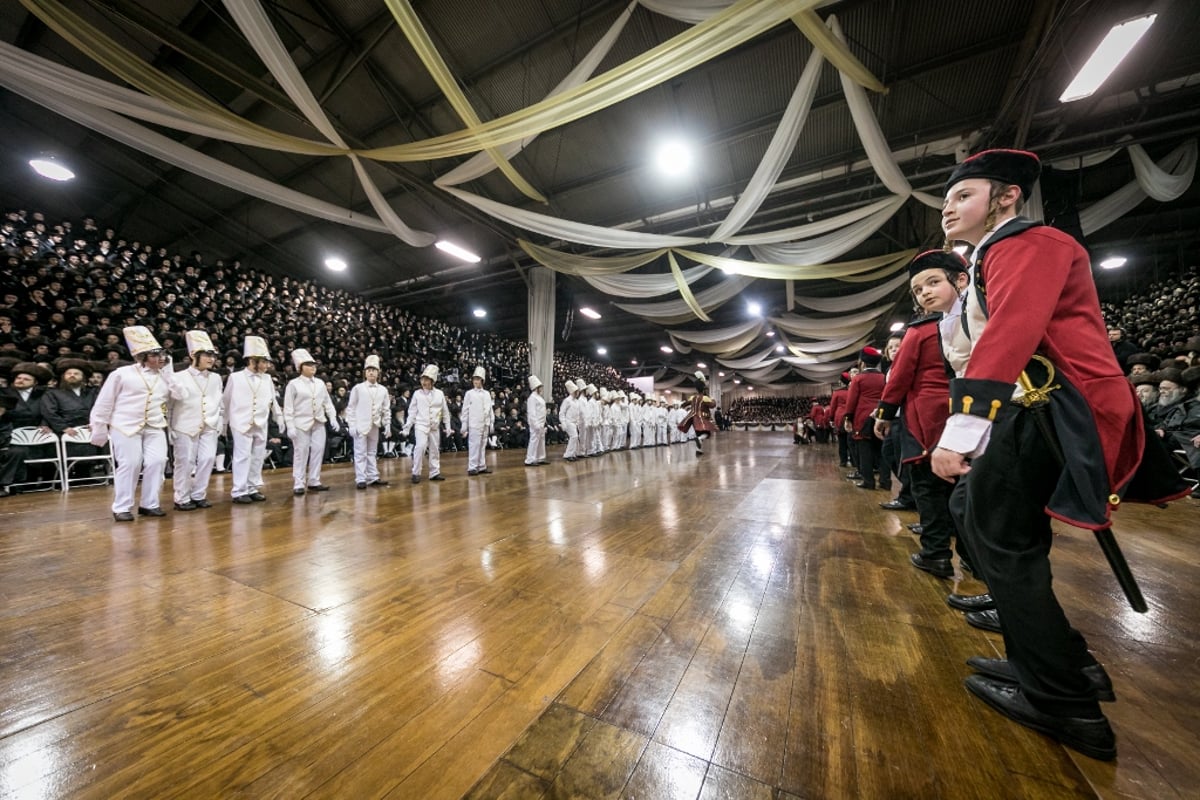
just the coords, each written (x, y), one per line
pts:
(1035, 284)
(837, 407)
(818, 415)
(865, 390)
(917, 382)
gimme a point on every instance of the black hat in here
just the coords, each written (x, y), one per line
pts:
(36, 371)
(936, 259)
(1169, 374)
(1193, 345)
(870, 356)
(61, 365)
(1145, 377)
(1149, 359)
(1015, 167)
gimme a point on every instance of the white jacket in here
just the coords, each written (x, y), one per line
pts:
(306, 404)
(535, 412)
(426, 411)
(477, 410)
(249, 401)
(202, 407)
(369, 406)
(133, 398)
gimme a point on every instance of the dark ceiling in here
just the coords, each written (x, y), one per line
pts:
(989, 70)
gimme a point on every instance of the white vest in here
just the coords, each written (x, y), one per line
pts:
(369, 406)
(202, 408)
(249, 400)
(133, 398)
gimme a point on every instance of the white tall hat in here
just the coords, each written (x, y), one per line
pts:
(571, 387)
(255, 346)
(580, 383)
(431, 372)
(480, 373)
(699, 375)
(139, 339)
(591, 389)
(534, 382)
(198, 341)
(302, 356)
(603, 393)
(372, 362)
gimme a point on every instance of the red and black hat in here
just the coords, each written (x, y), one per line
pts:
(870, 356)
(1016, 167)
(936, 259)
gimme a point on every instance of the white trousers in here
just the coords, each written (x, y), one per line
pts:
(366, 468)
(476, 448)
(144, 453)
(635, 435)
(428, 442)
(249, 452)
(619, 441)
(308, 451)
(572, 431)
(662, 433)
(194, 459)
(648, 434)
(597, 439)
(536, 451)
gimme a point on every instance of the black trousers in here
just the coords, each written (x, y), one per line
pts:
(932, 496)
(1000, 506)
(869, 459)
(847, 453)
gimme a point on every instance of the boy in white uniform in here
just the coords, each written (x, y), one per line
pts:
(131, 409)
(428, 415)
(307, 407)
(477, 416)
(248, 402)
(196, 423)
(635, 421)
(535, 418)
(368, 411)
(570, 415)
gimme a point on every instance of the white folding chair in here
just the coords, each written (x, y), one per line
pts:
(34, 438)
(83, 435)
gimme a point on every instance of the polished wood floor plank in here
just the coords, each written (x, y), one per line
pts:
(646, 624)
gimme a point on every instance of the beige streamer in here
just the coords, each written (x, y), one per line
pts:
(807, 272)
(685, 291)
(836, 51)
(571, 264)
(433, 61)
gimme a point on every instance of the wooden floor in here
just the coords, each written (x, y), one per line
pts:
(643, 625)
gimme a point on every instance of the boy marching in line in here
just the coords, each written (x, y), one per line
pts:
(477, 416)
(1034, 376)
(570, 414)
(307, 408)
(535, 418)
(429, 417)
(196, 423)
(131, 410)
(247, 406)
(368, 412)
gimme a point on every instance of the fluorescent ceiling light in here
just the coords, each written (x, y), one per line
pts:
(778, 348)
(634, 362)
(897, 326)
(771, 334)
(336, 264)
(479, 312)
(701, 365)
(589, 313)
(673, 157)
(749, 388)
(737, 380)
(1107, 57)
(666, 349)
(1113, 262)
(456, 251)
(754, 308)
(49, 168)
(720, 374)
(602, 350)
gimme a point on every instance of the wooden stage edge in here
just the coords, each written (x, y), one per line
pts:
(645, 624)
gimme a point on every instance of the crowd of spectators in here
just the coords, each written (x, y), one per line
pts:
(770, 409)
(68, 289)
(1159, 319)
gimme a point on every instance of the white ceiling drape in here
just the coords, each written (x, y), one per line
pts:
(677, 312)
(1180, 163)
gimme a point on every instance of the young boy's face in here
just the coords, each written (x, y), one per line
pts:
(933, 291)
(965, 210)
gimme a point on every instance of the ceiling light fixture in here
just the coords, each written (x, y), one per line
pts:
(589, 313)
(701, 365)
(49, 168)
(771, 334)
(456, 251)
(666, 349)
(479, 312)
(720, 374)
(602, 350)
(1113, 262)
(1107, 57)
(336, 264)
(633, 361)
(753, 308)
(779, 348)
(673, 158)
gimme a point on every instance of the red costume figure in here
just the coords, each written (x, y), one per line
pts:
(699, 416)
(837, 416)
(865, 390)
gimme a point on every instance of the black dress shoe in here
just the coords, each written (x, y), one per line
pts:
(941, 567)
(243, 499)
(416, 478)
(378, 482)
(188, 506)
(320, 487)
(360, 485)
(258, 497)
(123, 516)
(298, 492)
(985, 620)
(472, 473)
(1092, 737)
(485, 472)
(854, 476)
(543, 463)
(202, 504)
(1001, 670)
(916, 528)
(896, 505)
(864, 485)
(971, 602)
(437, 477)
(151, 512)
